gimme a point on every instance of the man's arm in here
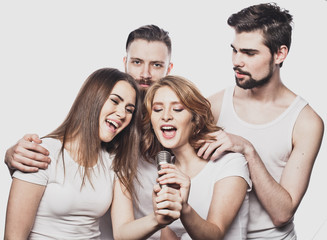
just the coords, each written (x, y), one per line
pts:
(27, 155)
(280, 200)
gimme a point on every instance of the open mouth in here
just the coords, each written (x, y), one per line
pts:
(112, 124)
(168, 131)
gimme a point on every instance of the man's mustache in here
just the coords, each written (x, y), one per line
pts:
(241, 72)
(145, 81)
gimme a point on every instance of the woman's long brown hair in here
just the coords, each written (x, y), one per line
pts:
(82, 125)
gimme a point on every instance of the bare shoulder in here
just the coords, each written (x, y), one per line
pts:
(309, 116)
(216, 102)
(309, 125)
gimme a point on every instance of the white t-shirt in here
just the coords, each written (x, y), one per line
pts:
(202, 186)
(66, 210)
(147, 174)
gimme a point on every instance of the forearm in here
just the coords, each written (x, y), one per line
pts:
(197, 227)
(273, 196)
(141, 228)
(168, 234)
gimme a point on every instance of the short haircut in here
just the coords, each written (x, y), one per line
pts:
(274, 22)
(150, 33)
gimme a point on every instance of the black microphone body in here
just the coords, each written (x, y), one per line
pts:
(163, 157)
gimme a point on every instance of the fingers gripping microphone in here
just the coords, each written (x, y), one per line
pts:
(163, 157)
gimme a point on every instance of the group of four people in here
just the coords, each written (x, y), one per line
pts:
(242, 159)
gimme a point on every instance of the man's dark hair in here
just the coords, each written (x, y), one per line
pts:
(274, 22)
(150, 33)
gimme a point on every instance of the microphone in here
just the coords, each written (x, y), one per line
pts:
(163, 157)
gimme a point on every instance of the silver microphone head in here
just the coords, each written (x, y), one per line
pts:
(163, 157)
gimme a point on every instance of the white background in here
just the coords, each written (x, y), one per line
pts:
(48, 48)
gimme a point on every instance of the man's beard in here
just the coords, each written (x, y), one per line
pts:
(253, 83)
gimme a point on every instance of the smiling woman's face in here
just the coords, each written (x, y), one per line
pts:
(117, 111)
(171, 121)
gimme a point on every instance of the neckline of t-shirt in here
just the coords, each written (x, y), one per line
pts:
(267, 124)
(66, 154)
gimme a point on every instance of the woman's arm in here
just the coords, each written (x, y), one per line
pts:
(168, 234)
(228, 196)
(124, 225)
(23, 202)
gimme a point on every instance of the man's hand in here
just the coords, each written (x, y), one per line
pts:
(27, 155)
(225, 142)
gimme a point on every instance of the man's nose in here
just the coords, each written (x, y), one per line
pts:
(146, 74)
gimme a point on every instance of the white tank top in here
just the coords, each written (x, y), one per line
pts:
(273, 142)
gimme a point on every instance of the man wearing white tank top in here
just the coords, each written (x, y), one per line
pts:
(276, 130)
